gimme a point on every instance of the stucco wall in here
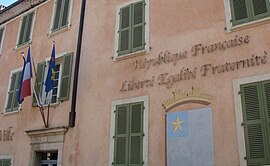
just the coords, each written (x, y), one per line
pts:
(175, 26)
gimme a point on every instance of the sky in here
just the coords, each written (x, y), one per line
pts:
(7, 2)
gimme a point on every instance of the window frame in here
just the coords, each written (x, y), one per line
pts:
(242, 25)
(144, 100)
(31, 31)
(7, 94)
(239, 112)
(60, 59)
(146, 31)
(64, 28)
(7, 157)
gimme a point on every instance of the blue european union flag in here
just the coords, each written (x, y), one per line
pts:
(49, 83)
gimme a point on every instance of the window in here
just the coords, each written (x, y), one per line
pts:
(249, 10)
(61, 15)
(132, 28)
(61, 87)
(25, 29)
(48, 158)
(129, 136)
(255, 98)
(5, 162)
(56, 83)
(12, 102)
(1, 37)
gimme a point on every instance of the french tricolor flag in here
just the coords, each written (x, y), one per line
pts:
(25, 84)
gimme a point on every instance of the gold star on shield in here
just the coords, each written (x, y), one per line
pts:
(177, 125)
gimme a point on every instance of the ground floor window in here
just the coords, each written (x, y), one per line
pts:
(255, 100)
(128, 144)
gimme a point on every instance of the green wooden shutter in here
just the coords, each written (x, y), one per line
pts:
(28, 27)
(138, 26)
(23, 26)
(260, 8)
(6, 162)
(16, 104)
(39, 82)
(12, 103)
(254, 126)
(1, 36)
(124, 44)
(11, 92)
(266, 97)
(240, 11)
(64, 20)
(136, 135)
(121, 136)
(66, 77)
(56, 21)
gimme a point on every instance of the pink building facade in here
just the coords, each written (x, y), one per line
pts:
(160, 83)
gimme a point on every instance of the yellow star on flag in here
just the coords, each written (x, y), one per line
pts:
(177, 125)
(53, 74)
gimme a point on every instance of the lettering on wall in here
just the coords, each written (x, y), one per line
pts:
(204, 49)
(189, 73)
(166, 57)
(6, 135)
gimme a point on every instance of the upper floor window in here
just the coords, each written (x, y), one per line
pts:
(244, 11)
(61, 15)
(11, 101)
(62, 77)
(25, 30)
(132, 28)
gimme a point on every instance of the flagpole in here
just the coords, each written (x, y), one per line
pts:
(49, 83)
(39, 105)
(38, 99)
(48, 114)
